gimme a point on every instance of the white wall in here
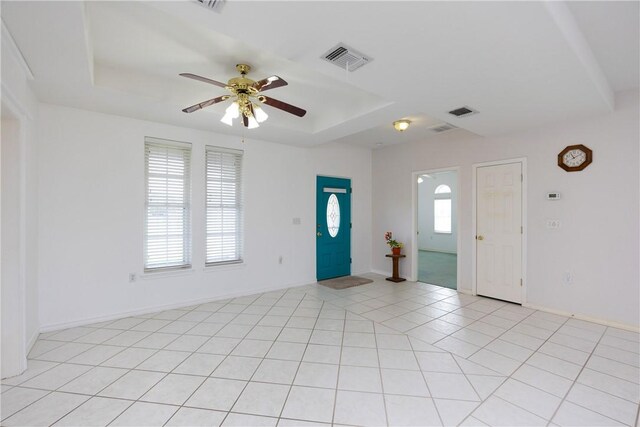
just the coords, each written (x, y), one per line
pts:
(19, 105)
(428, 239)
(598, 240)
(91, 178)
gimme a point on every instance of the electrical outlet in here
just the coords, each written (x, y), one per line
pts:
(567, 278)
(132, 277)
(296, 221)
(280, 260)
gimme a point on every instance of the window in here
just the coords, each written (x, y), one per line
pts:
(224, 205)
(167, 232)
(442, 209)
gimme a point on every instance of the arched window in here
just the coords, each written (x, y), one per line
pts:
(442, 209)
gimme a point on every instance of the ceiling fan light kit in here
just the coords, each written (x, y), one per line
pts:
(401, 125)
(246, 95)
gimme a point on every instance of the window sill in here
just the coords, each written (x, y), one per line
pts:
(443, 232)
(224, 267)
(151, 275)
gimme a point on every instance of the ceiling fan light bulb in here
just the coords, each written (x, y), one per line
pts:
(401, 125)
(233, 110)
(259, 113)
(253, 123)
(227, 119)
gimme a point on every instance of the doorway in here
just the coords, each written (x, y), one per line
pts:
(499, 231)
(333, 227)
(437, 227)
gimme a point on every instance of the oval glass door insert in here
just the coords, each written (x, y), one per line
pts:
(333, 215)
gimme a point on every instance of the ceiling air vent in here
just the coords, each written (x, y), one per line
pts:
(212, 4)
(462, 111)
(445, 127)
(345, 57)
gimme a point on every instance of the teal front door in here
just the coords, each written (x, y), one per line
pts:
(333, 227)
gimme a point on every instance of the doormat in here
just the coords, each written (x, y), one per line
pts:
(345, 282)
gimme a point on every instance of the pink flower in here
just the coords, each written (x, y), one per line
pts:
(388, 235)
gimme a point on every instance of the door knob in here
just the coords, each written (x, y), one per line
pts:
(480, 237)
(319, 234)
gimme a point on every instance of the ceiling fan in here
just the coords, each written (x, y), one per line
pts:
(247, 97)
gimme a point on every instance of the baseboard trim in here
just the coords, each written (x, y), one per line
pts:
(627, 327)
(382, 273)
(151, 309)
(32, 341)
(435, 250)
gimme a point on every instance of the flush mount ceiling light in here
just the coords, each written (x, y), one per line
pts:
(401, 125)
(246, 96)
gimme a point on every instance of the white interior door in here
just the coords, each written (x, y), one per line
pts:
(499, 231)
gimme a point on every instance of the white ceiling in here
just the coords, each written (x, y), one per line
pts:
(520, 64)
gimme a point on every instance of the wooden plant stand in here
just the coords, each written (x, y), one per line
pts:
(396, 277)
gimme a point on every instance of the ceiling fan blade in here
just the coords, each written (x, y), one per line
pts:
(285, 107)
(202, 79)
(205, 104)
(269, 83)
(245, 121)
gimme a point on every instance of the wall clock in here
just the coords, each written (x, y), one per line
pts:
(574, 158)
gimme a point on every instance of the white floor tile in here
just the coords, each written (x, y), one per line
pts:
(56, 377)
(453, 412)
(199, 364)
(18, 398)
(196, 418)
(612, 385)
(317, 375)
(410, 383)
(530, 398)
(262, 399)
(244, 420)
(47, 410)
(145, 414)
(236, 367)
(216, 393)
(312, 404)
(615, 369)
(356, 408)
(356, 378)
(570, 414)
(187, 343)
(497, 362)
(219, 345)
(411, 411)
(173, 389)
(450, 386)
(397, 359)
(163, 361)
(93, 381)
(485, 385)
(276, 371)
(437, 362)
(34, 368)
(286, 351)
(497, 412)
(132, 385)
(129, 358)
(604, 403)
(252, 348)
(97, 411)
(546, 381)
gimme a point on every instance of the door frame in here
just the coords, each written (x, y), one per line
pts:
(414, 221)
(18, 362)
(474, 222)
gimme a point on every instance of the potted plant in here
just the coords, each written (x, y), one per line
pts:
(396, 247)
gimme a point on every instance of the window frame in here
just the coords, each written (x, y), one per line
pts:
(187, 235)
(238, 205)
(442, 195)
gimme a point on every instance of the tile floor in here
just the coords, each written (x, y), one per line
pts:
(378, 354)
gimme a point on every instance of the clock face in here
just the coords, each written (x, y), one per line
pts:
(575, 158)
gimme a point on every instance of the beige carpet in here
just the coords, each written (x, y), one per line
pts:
(345, 282)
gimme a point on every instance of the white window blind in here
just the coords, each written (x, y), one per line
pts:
(224, 205)
(167, 232)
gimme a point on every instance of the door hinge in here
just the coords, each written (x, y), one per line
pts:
(521, 230)
(350, 260)
(350, 225)
(521, 178)
(350, 190)
(520, 282)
